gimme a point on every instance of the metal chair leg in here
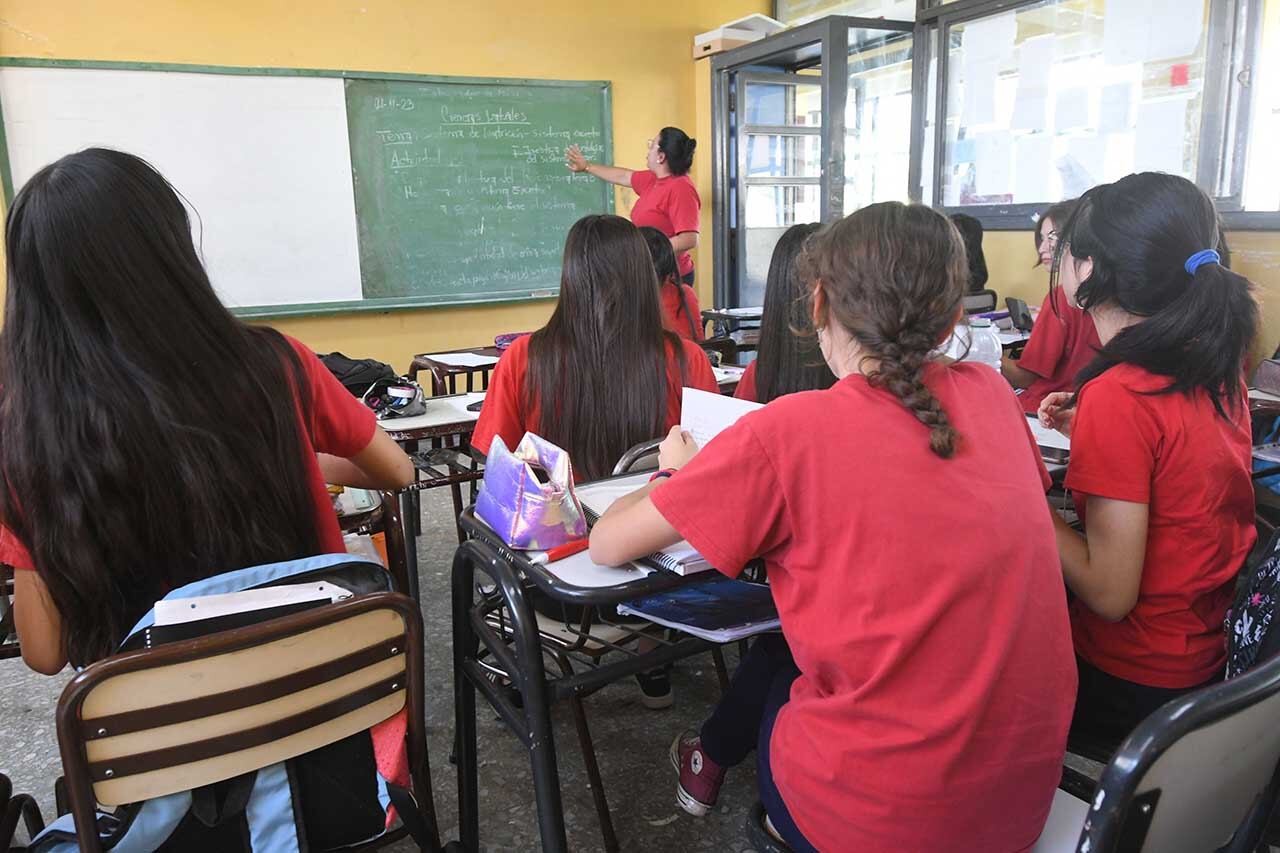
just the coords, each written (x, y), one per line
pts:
(592, 765)
(722, 671)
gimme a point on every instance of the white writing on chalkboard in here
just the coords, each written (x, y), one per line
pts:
(502, 115)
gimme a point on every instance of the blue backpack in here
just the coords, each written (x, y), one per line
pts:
(326, 799)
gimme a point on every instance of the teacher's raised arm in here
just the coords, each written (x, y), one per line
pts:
(667, 199)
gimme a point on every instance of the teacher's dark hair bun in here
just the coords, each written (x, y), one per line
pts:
(678, 147)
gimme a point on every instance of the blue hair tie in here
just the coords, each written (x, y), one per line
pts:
(1199, 259)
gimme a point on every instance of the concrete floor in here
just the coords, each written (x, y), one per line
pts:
(632, 743)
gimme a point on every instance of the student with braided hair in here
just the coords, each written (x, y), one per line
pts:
(919, 694)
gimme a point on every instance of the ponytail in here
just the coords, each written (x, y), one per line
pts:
(893, 275)
(1148, 236)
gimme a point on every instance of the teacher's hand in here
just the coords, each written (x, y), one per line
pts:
(574, 159)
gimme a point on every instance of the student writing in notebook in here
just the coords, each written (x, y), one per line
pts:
(785, 361)
(1160, 447)
(148, 438)
(919, 695)
(1063, 339)
(680, 311)
(602, 375)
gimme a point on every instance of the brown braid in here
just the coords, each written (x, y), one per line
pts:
(893, 275)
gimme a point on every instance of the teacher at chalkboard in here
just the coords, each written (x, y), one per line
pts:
(667, 199)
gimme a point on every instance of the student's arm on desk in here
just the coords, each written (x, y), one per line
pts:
(633, 527)
(39, 624)
(381, 465)
(1104, 570)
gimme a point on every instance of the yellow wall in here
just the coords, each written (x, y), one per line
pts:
(1254, 254)
(645, 49)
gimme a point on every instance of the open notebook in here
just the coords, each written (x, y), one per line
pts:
(595, 498)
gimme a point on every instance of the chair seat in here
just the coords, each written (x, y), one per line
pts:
(555, 630)
(1062, 830)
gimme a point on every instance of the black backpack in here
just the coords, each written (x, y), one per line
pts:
(357, 374)
(1253, 632)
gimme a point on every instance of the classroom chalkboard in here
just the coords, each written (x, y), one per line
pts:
(317, 191)
(461, 190)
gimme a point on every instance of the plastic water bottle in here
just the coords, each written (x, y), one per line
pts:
(984, 346)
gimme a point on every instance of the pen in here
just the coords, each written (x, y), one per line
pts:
(566, 550)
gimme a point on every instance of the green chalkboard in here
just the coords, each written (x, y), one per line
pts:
(461, 190)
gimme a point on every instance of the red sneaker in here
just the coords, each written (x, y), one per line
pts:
(700, 777)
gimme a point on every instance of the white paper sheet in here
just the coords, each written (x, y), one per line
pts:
(1124, 30)
(1162, 134)
(1049, 438)
(1031, 103)
(1175, 32)
(728, 374)
(464, 359)
(706, 415)
(979, 92)
(1116, 107)
(990, 38)
(1090, 153)
(1032, 168)
(742, 312)
(179, 611)
(994, 163)
(1071, 109)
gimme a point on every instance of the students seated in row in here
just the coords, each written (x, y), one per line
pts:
(785, 362)
(1063, 339)
(680, 311)
(919, 695)
(1160, 447)
(148, 438)
(611, 371)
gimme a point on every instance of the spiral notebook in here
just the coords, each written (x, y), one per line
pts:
(596, 498)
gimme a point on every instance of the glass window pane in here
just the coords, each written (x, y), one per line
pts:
(802, 11)
(783, 104)
(1047, 101)
(1262, 167)
(877, 118)
(779, 156)
(770, 212)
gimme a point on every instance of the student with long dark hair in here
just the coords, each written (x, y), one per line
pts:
(1063, 339)
(667, 200)
(148, 438)
(970, 229)
(602, 375)
(788, 358)
(918, 696)
(1160, 446)
(680, 311)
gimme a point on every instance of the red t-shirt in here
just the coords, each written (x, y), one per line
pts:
(669, 204)
(1191, 467)
(746, 389)
(922, 599)
(673, 317)
(340, 425)
(508, 411)
(1061, 344)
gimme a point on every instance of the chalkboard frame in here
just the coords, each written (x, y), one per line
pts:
(305, 309)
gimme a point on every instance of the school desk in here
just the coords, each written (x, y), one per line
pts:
(500, 629)
(9, 647)
(445, 372)
(384, 517)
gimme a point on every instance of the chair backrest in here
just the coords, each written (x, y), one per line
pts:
(980, 302)
(9, 647)
(642, 457)
(144, 724)
(1199, 773)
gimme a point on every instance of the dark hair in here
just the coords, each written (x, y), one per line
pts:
(971, 232)
(1058, 214)
(148, 438)
(599, 366)
(789, 359)
(1139, 233)
(664, 264)
(893, 275)
(678, 147)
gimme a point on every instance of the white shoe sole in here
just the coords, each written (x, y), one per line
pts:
(656, 703)
(697, 808)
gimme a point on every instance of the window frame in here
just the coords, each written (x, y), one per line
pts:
(1231, 51)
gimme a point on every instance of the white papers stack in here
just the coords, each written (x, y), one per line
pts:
(705, 415)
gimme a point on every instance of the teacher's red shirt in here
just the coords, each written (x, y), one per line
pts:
(669, 204)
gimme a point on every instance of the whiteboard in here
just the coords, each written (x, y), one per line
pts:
(262, 160)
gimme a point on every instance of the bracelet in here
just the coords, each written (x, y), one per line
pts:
(665, 472)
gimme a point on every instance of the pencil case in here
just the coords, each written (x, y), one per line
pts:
(528, 496)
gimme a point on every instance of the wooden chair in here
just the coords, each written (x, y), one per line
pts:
(145, 724)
